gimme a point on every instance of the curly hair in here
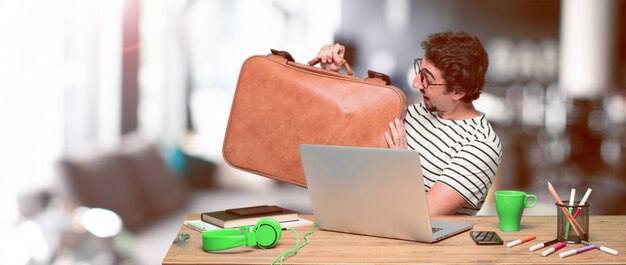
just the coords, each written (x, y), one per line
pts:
(462, 60)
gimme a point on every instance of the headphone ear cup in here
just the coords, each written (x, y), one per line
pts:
(267, 232)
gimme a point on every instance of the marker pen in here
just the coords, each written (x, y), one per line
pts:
(519, 241)
(571, 203)
(582, 202)
(543, 245)
(553, 249)
(576, 251)
(605, 249)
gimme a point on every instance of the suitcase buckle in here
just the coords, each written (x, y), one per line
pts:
(384, 77)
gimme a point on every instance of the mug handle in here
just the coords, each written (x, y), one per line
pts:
(529, 196)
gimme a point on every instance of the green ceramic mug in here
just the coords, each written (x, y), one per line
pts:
(510, 205)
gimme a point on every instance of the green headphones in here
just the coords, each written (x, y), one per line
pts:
(265, 234)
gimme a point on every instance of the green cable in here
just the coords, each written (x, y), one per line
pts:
(306, 238)
(296, 248)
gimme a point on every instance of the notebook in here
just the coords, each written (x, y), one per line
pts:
(248, 216)
(371, 191)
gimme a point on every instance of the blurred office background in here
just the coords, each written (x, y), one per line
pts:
(113, 111)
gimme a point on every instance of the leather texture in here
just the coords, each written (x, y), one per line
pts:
(279, 104)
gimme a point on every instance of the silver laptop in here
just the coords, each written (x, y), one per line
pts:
(371, 191)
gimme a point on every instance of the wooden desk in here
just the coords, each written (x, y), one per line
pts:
(342, 248)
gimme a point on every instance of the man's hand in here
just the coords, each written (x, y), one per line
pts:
(397, 138)
(331, 56)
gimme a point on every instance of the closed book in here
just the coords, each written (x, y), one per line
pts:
(248, 216)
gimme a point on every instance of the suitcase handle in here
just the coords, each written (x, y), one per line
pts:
(313, 62)
(346, 65)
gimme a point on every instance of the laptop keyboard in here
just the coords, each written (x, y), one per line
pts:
(435, 229)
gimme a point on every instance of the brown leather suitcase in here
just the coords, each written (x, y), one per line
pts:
(279, 104)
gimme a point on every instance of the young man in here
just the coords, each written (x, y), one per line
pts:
(459, 150)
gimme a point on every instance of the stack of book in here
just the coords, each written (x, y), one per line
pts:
(248, 216)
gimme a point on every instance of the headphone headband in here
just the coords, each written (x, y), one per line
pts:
(223, 238)
(265, 234)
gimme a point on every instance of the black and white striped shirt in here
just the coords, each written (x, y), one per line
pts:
(462, 154)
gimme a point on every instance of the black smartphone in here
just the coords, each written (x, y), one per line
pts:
(486, 238)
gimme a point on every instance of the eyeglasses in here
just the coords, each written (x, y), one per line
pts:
(417, 65)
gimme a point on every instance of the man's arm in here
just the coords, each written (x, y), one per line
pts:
(466, 179)
(443, 200)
